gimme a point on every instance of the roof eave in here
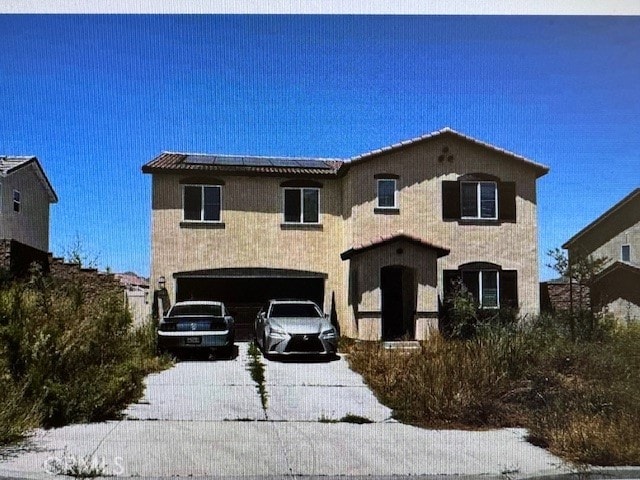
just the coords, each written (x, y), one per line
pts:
(440, 251)
(53, 197)
(539, 168)
(630, 197)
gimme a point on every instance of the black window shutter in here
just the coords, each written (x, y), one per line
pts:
(450, 200)
(507, 201)
(448, 279)
(509, 288)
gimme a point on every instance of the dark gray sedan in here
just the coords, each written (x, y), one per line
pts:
(197, 326)
(291, 327)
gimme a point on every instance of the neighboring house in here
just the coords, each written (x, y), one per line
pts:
(614, 235)
(25, 196)
(375, 239)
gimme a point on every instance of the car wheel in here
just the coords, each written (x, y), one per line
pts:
(228, 351)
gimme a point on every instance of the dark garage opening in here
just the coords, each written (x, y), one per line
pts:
(246, 290)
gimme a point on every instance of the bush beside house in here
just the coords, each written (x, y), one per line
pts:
(67, 350)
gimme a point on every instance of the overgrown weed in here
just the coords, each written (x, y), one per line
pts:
(67, 357)
(576, 391)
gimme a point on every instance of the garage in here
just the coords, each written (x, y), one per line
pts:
(245, 290)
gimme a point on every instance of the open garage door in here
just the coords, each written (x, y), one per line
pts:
(245, 290)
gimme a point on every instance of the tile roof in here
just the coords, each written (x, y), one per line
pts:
(394, 237)
(168, 161)
(542, 169)
(176, 161)
(9, 164)
(632, 197)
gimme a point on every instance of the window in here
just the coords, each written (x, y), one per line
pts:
(483, 285)
(202, 203)
(16, 201)
(491, 286)
(625, 253)
(478, 197)
(301, 205)
(387, 193)
(479, 200)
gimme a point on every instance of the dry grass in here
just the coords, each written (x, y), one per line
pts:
(580, 398)
(65, 358)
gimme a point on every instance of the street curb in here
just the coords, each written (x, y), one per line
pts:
(592, 473)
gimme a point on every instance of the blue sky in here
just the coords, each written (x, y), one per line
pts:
(95, 97)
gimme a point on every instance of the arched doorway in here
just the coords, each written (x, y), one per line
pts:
(398, 297)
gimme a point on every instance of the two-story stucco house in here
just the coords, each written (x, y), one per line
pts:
(374, 239)
(615, 235)
(25, 197)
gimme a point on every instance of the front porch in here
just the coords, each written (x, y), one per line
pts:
(393, 288)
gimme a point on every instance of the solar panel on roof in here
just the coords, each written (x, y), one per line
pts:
(284, 162)
(313, 164)
(256, 162)
(200, 159)
(228, 161)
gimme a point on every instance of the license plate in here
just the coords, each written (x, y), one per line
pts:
(193, 340)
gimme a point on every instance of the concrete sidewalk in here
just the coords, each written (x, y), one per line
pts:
(205, 419)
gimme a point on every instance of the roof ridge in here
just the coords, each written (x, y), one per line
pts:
(607, 213)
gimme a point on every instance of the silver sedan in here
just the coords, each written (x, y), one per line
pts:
(292, 327)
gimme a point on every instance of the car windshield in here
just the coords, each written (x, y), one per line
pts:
(209, 310)
(281, 310)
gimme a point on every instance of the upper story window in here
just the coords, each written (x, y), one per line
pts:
(479, 197)
(302, 205)
(202, 203)
(479, 200)
(625, 253)
(387, 193)
(16, 201)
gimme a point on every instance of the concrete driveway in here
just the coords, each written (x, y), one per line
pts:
(206, 419)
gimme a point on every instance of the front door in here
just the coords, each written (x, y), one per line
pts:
(397, 284)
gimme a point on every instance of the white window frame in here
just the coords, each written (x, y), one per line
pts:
(395, 193)
(202, 187)
(478, 214)
(301, 219)
(17, 202)
(481, 289)
(622, 252)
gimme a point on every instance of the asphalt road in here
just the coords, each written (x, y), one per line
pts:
(205, 418)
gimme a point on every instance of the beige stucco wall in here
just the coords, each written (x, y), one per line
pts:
(365, 296)
(254, 237)
(514, 246)
(31, 225)
(618, 293)
(612, 248)
(606, 237)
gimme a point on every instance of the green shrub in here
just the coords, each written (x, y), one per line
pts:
(75, 357)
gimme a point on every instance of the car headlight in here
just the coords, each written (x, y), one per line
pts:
(277, 332)
(329, 333)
